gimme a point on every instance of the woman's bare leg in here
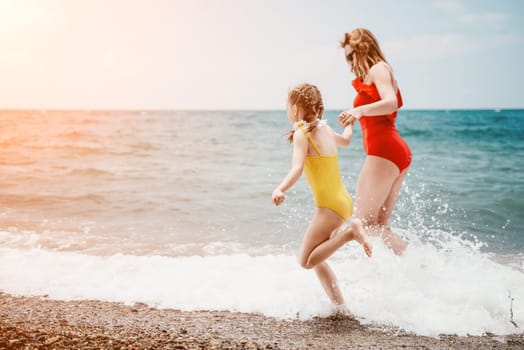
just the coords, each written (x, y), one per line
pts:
(377, 190)
(397, 244)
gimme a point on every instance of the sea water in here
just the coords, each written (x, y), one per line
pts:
(173, 209)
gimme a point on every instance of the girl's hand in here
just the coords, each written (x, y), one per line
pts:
(278, 197)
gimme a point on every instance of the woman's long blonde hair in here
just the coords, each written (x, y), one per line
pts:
(307, 97)
(366, 51)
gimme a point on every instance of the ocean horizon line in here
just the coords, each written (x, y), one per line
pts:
(146, 110)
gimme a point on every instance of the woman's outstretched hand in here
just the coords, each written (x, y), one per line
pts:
(349, 117)
(278, 197)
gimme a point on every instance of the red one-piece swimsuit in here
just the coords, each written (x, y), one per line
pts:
(379, 134)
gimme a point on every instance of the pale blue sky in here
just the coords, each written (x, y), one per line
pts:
(246, 54)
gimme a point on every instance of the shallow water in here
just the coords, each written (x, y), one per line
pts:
(130, 206)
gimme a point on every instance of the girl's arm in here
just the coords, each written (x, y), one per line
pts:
(344, 139)
(300, 145)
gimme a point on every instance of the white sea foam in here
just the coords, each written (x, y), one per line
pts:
(429, 290)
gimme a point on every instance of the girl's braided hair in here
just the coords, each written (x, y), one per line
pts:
(307, 98)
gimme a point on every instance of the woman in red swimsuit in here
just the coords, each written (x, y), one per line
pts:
(387, 155)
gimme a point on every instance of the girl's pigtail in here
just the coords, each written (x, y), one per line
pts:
(290, 135)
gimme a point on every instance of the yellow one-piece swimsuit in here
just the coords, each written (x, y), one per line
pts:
(323, 176)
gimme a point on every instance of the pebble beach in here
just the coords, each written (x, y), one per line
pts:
(41, 323)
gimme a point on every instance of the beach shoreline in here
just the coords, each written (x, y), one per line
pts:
(38, 322)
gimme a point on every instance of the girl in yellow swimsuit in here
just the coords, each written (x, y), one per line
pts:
(315, 152)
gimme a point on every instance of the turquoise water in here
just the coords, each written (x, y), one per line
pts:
(471, 166)
(185, 180)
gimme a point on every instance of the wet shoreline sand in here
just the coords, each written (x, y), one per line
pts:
(37, 322)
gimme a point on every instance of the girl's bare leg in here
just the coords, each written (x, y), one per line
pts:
(328, 280)
(317, 236)
(355, 231)
(319, 243)
(321, 239)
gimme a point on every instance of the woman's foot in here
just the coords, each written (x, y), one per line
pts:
(356, 231)
(394, 242)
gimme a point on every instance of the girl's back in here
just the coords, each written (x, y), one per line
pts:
(323, 172)
(324, 138)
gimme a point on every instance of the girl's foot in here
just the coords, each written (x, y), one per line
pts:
(356, 230)
(341, 311)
